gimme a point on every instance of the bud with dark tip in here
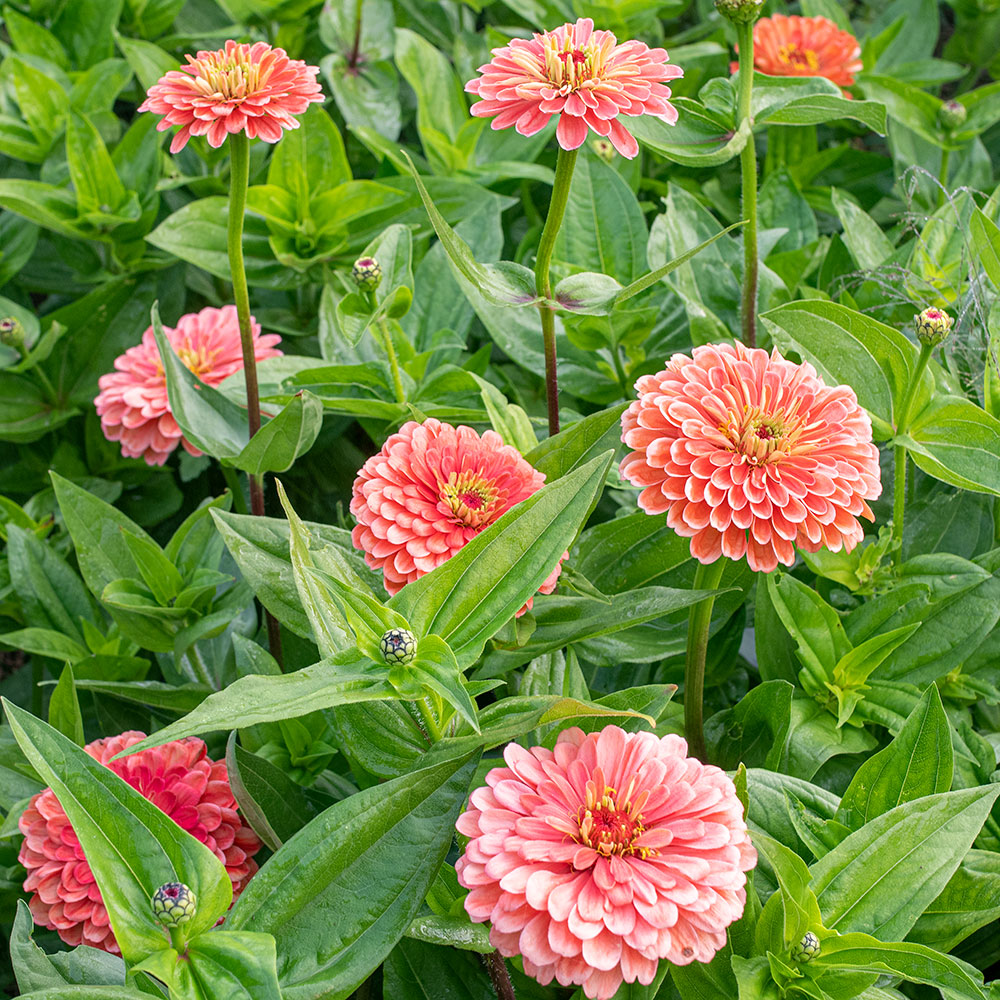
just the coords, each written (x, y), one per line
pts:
(604, 149)
(952, 114)
(740, 11)
(398, 645)
(933, 325)
(367, 273)
(173, 904)
(807, 949)
(12, 333)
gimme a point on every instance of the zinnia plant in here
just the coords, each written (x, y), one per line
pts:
(597, 858)
(429, 491)
(133, 404)
(588, 80)
(182, 780)
(748, 455)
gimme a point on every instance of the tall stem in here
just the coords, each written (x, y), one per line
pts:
(543, 286)
(699, 619)
(499, 976)
(899, 452)
(352, 59)
(390, 352)
(748, 170)
(239, 178)
(943, 176)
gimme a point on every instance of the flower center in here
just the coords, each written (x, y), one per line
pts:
(569, 66)
(223, 77)
(800, 58)
(609, 823)
(197, 359)
(472, 500)
(762, 436)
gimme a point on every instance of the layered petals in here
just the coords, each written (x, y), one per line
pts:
(599, 857)
(583, 76)
(751, 455)
(180, 779)
(429, 491)
(133, 404)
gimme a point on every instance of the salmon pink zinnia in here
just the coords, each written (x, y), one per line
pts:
(598, 858)
(179, 778)
(750, 454)
(241, 88)
(429, 491)
(583, 76)
(133, 404)
(805, 46)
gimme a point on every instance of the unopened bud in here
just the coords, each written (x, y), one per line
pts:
(367, 273)
(952, 114)
(174, 904)
(12, 333)
(933, 325)
(740, 11)
(807, 949)
(398, 645)
(604, 149)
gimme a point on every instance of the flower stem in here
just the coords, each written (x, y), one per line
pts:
(543, 286)
(943, 177)
(899, 452)
(499, 976)
(699, 619)
(390, 351)
(748, 170)
(239, 178)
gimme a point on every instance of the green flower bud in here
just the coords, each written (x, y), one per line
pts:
(807, 949)
(398, 645)
(367, 273)
(12, 333)
(952, 115)
(604, 149)
(173, 904)
(740, 11)
(933, 325)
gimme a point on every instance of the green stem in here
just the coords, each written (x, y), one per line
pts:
(429, 718)
(543, 286)
(899, 451)
(748, 171)
(390, 351)
(199, 667)
(943, 177)
(239, 178)
(37, 676)
(699, 619)
(239, 502)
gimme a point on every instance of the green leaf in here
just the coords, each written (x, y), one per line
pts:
(416, 970)
(435, 668)
(85, 993)
(157, 571)
(869, 246)
(701, 138)
(883, 876)
(64, 708)
(986, 244)
(801, 912)
(916, 763)
(93, 175)
(132, 846)
(212, 422)
(389, 839)
(455, 931)
(469, 597)
(284, 438)
(849, 348)
(147, 60)
(818, 108)
(578, 444)
(49, 206)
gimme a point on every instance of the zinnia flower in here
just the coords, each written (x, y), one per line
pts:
(241, 88)
(179, 778)
(582, 75)
(133, 404)
(430, 490)
(598, 858)
(751, 454)
(805, 46)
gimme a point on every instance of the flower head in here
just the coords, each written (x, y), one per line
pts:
(241, 88)
(583, 76)
(750, 454)
(805, 46)
(179, 778)
(430, 490)
(398, 645)
(133, 404)
(367, 273)
(952, 115)
(174, 904)
(933, 326)
(598, 858)
(806, 949)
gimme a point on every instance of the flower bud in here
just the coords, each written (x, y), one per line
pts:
(604, 149)
(807, 949)
(933, 325)
(951, 115)
(740, 11)
(173, 904)
(12, 333)
(398, 645)
(367, 273)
